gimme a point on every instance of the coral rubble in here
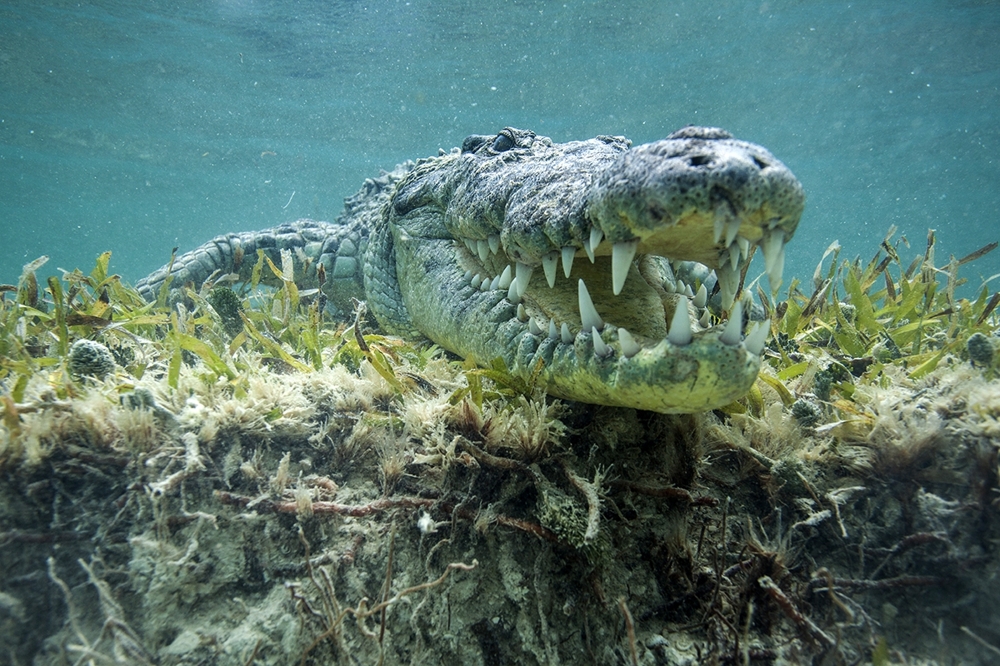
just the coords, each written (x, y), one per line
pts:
(237, 480)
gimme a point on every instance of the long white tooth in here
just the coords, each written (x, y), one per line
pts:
(688, 291)
(471, 244)
(522, 314)
(506, 277)
(523, 272)
(734, 256)
(680, 325)
(771, 244)
(533, 327)
(718, 226)
(553, 331)
(485, 286)
(495, 283)
(565, 335)
(628, 344)
(512, 294)
(706, 318)
(756, 338)
(732, 228)
(468, 276)
(621, 260)
(774, 275)
(744, 247)
(549, 263)
(595, 239)
(567, 260)
(600, 348)
(476, 280)
(483, 248)
(729, 282)
(733, 332)
(494, 242)
(588, 313)
(701, 298)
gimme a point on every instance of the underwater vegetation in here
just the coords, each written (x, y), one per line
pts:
(226, 474)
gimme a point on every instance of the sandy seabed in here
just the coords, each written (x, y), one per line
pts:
(326, 518)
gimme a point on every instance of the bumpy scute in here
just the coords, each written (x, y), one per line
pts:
(556, 258)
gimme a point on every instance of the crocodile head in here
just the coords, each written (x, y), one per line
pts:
(557, 259)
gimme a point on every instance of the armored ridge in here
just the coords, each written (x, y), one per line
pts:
(448, 248)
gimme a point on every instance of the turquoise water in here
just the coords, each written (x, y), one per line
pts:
(137, 127)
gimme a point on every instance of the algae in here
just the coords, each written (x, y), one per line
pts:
(247, 482)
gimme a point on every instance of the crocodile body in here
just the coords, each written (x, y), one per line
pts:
(554, 257)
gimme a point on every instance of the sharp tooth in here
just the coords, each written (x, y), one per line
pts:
(706, 319)
(734, 256)
(688, 291)
(668, 287)
(680, 324)
(467, 276)
(679, 286)
(595, 239)
(621, 260)
(719, 225)
(771, 245)
(483, 248)
(533, 327)
(523, 277)
(733, 332)
(512, 294)
(729, 282)
(476, 279)
(506, 278)
(553, 331)
(494, 242)
(565, 335)
(567, 260)
(756, 338)
(774, 275)
(471, 244)
(600, 348)
(495, 283)
(485, 286)
(588, 313)
(732, 228)
(549, 263)
(701, 298)
(628, 344)
(522, 314)
(744, 247)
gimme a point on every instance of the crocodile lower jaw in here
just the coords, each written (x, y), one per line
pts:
(565, 325)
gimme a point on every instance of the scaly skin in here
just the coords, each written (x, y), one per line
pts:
(596, 213)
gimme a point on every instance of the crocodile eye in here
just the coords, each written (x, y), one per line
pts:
(502, 143)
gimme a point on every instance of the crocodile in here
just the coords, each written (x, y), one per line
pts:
(557, 258)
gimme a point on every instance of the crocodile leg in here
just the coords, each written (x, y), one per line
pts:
(319, 249)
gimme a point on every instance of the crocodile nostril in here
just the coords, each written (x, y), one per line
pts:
(761, 164)
(699, 160)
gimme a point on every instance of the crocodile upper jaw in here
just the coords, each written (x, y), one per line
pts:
(553, 258)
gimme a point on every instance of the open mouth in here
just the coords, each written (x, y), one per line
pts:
(567, 271)
(626, 289)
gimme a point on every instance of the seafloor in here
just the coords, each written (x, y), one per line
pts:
(389, 505)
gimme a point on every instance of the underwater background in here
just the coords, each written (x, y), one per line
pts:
(137, 127)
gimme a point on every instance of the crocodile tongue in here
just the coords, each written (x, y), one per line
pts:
(637, 308)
